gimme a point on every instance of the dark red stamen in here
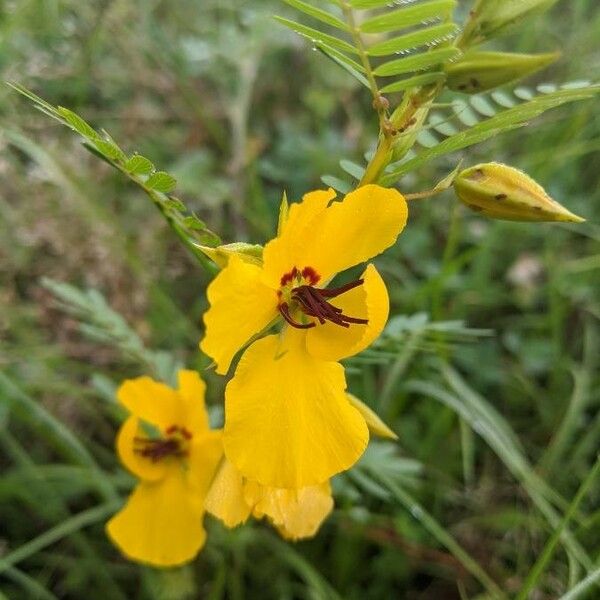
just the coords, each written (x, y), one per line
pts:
(284, 309)
(314, 303)
(158, 449)
(333, 293)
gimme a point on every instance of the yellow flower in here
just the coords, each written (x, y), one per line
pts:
(295, 513)
(288, 422)
(161, 523)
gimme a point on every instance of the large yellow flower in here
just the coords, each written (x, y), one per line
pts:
(288, 422)
(296, 514)
(167, 444)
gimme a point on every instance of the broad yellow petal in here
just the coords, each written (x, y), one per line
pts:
(225, 498)
(288, 422)
(374, 423)
(140, 466)
(206, 452)
(285, 252)
(353, 231)
(369, 301)
(154, 402)
(159, 525)
(191, 391)
(240, 307)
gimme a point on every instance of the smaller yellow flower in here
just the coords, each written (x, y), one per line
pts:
(296, 513)
(161, 523)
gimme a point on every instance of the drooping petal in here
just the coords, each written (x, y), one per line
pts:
(159, 525)
(225, 498)
(140, 466)
(304, 510)
(285, 251)
(154, 402)
(369, 301)
(191, 390)
(288, 422)
(240, 307)
(353, 231)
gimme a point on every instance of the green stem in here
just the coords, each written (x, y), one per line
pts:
(362, 53)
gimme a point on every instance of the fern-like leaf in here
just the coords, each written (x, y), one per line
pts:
(378, 32)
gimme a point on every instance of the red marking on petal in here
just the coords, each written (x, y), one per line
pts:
(289, 277)
(311, 275)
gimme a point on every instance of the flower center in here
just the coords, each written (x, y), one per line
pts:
(313, 301)
(174, 444)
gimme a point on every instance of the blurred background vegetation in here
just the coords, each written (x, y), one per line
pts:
(495, 436)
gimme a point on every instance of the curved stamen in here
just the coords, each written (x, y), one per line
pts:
(314, 303)
(284, 309)
(157, 449)
(334, 292)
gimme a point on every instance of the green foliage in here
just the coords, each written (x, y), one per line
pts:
(175, 81)
(157, 184)
(348, 37)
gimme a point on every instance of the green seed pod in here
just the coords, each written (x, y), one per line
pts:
(478, 71)
(502, 192)
(491, 18)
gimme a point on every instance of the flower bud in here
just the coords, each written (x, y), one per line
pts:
(491, 18)
(502, 192)
(478, 71)
(251, 253)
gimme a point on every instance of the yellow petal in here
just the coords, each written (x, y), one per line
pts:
(240, 307)
(288, 422)
(351, 232)
(374, 423)
(225, 499)
(140, 466)
(303, 510)
(205, 455)
(151, 401)
(295, 513)
(159, 525)
(368, 301)
(191, 391)
(284, 253)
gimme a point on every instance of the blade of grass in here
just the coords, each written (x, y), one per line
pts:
(33, 588)
(36, 415)
(53, 535)
(441, 535)
(583, 586)
(544, 558)
(510, 456)
(320, 587)
(55, 509)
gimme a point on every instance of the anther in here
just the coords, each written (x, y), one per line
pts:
(314, 303)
